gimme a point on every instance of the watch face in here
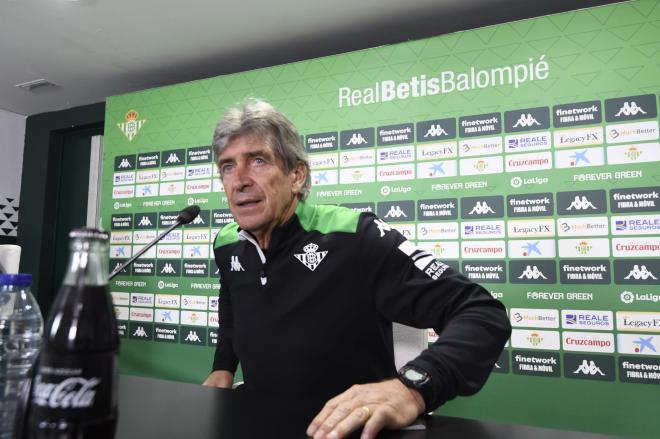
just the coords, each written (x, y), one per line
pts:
(413, 375)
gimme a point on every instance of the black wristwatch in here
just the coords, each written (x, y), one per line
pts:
(419, 379)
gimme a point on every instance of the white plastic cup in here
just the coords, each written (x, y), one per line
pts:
(10, 257)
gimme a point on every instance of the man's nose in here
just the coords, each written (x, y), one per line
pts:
(241, 177)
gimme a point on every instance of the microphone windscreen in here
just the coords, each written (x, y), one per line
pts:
(188, 214)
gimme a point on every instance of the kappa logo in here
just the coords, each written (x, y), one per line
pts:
(588, 368)
(481, 208)
(124, 164)
(395, 212)
(198, 220)
(435, 130)
(526, 120)
(140, 332)
(145, 222)
(236, 264)
(131, 124)
(356, 139)
(630, 109)
(168, 269)
(382, 227)
(173, 158)
(193, 337)
(642, 273)
(581, 204)
(532, 272)
(311, 258)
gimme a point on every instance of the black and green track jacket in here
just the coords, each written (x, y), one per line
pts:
(311, 315)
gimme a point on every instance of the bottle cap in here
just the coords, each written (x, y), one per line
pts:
(16, 279)
(88, 233)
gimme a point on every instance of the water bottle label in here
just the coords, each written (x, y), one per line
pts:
(75, 387)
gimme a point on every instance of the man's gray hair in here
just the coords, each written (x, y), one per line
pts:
(260, 120)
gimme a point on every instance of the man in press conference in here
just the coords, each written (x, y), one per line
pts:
(309, 293)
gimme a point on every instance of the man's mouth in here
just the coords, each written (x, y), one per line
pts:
(247, 203)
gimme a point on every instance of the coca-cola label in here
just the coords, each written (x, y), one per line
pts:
(75, 386)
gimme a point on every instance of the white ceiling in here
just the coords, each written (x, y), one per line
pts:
(97, 48)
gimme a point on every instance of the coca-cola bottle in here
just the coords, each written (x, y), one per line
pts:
(74, 392)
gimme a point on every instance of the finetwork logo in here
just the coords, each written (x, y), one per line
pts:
(131, 124)
(588, 368)
(435, 130)
(630, 109)
(356, 139)
(638, 273)
(581, 203)
(526, 120)
(532, 272)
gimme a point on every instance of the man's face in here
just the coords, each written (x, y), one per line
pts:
(260, 195)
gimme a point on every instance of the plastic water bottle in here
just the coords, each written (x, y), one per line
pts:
(21, 326)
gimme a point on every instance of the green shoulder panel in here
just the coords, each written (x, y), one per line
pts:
(327, 219)
(227, 235)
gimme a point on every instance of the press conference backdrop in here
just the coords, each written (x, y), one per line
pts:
(525, 155)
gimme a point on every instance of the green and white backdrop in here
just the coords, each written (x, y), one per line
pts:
(524, 154)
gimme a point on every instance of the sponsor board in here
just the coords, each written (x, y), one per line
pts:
(638, 321)
(172, 188)
(584, 248)
(396, 211)
(581, 271)
(527, 119)
(642, 199)
(124, 162)
(167, 219)
(142, 299)
(149, 254)
(361, 207)
(637, 271)
(360, 138)
(482, 165)
(589, 367)
(399, 154)
(532, 248)
(122, 327)
(437, 231)
(535, 161)
(636, 225)
(173, 174)
(588, 342)
(194, 302)
(175, 236)
(141, 314)
(481, 146)
(147, 176)
(639, 370)
(527, 142)
(485, 271)
(144, 267)
(196, 251)
(146, 190)
(148, 160)
(173, 157)
(580, 158)
(169, 251)
(123, 192)
(194, 172)
(200, 154)
(213, 320)
(437, 209)
(357, 158)
(396, 172)
(121, 222)
(168, 268)
(121, 237)
(533, 272)
(357, 175)
(482, 207)
(579, 113)
(483, 249)
(321, 142)
(437, 129)
(396, 134)
(407, 230)
(120, 251)
(194, 318)
(167, 334)
(122, 178)
(482, 229)
(480, 125)
(325, 177)
(530, 228)
(324, 161)
(534, 318)
(637, 153)
(638, 344)
(437, 151)
(140, 330)
(593, 320)
(168, 301)
(122, 313)
(629, 297)
(221, 217)
(147, 220)
(540, 204)
(196, 269)
(631, 108)
(631, 247)
(193, 335)
(439, 169)
(198, 186)
(578, 137)
(441, 250)
(581, 202)
(632, 132)
(213, 337)
(120, 299)
(535, 339)
(167, 316)
(586, 226)
(213, 303)
(190, 236)
(547, 364)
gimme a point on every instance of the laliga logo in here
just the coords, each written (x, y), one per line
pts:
(627, 297)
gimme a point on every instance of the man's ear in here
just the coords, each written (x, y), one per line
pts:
(298, 175)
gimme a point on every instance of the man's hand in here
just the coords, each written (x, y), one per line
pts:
(375, 406)
(219, 378)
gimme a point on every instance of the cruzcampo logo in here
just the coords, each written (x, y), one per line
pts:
(535, 338)
(633, 153)
(583, 247)
(131, 124)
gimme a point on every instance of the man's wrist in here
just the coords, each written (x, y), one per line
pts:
(418, 381)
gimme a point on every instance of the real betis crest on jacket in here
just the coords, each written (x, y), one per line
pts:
(311, 258)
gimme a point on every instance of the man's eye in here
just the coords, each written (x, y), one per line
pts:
(226, 168)
(259, 161)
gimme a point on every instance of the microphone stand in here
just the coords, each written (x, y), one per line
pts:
(144, 249)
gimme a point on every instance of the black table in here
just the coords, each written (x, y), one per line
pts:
(150, 408)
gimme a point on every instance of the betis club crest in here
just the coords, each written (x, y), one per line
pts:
(131, 125)
(311, 258)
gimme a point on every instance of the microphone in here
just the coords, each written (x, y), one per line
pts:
(186, 216)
